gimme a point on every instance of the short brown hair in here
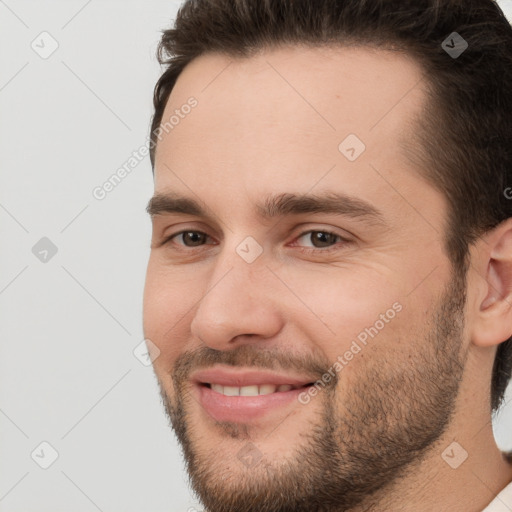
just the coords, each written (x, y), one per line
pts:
(463, 138)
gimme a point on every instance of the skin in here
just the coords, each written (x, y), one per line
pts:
(272, 124)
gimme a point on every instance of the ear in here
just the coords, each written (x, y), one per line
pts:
(493, 318)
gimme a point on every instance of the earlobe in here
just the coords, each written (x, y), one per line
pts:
(494, 319)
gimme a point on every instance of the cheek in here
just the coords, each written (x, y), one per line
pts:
(340, 304)
(165, 319)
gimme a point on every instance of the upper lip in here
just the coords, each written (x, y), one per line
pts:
(241, 377)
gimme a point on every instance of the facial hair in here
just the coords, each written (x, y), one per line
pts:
(364, 439)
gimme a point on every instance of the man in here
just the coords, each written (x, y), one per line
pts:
(329, 290)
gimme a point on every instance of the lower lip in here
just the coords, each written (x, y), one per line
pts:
(241, 409)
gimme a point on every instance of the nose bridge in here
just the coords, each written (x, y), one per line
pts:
(241, 264)
(234, 281)
(237, 298)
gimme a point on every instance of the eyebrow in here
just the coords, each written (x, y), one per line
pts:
(280, 205)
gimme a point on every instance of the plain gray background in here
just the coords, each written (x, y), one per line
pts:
(70, 323)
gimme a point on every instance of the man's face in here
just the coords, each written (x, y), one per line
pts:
(311, 259)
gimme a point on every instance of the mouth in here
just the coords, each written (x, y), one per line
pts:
(254, 390)
(244, 396)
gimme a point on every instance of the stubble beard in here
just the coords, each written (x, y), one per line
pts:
(358, 444)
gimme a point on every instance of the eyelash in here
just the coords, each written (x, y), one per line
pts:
(308, 250)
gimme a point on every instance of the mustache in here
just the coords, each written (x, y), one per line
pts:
(249, 356)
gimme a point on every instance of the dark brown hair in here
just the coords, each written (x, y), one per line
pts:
(462, 140)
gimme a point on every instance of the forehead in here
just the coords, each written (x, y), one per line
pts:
(278, 118)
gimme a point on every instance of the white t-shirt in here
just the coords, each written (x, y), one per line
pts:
(502, 502)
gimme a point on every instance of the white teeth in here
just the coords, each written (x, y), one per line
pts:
(249, 391)
(218, 388)
(267, 389)
(231, 391)
(264, 389)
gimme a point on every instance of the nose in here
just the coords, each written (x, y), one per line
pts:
(238, 305)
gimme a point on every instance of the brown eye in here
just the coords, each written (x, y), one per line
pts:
(318, 239)
(191, 238)
(323, 239)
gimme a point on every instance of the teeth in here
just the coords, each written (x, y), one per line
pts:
(218, 388)
(231, 391)
(249, 391)
(264, 389)
(267, 389)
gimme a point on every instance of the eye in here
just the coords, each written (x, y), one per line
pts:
(318, 239)
(189, 238)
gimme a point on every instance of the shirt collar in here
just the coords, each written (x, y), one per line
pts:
(503, 501)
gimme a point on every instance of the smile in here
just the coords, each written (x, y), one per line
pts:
(255, 390)
(242, 396)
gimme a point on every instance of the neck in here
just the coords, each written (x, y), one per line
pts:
(434, 485)
(461, 477)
